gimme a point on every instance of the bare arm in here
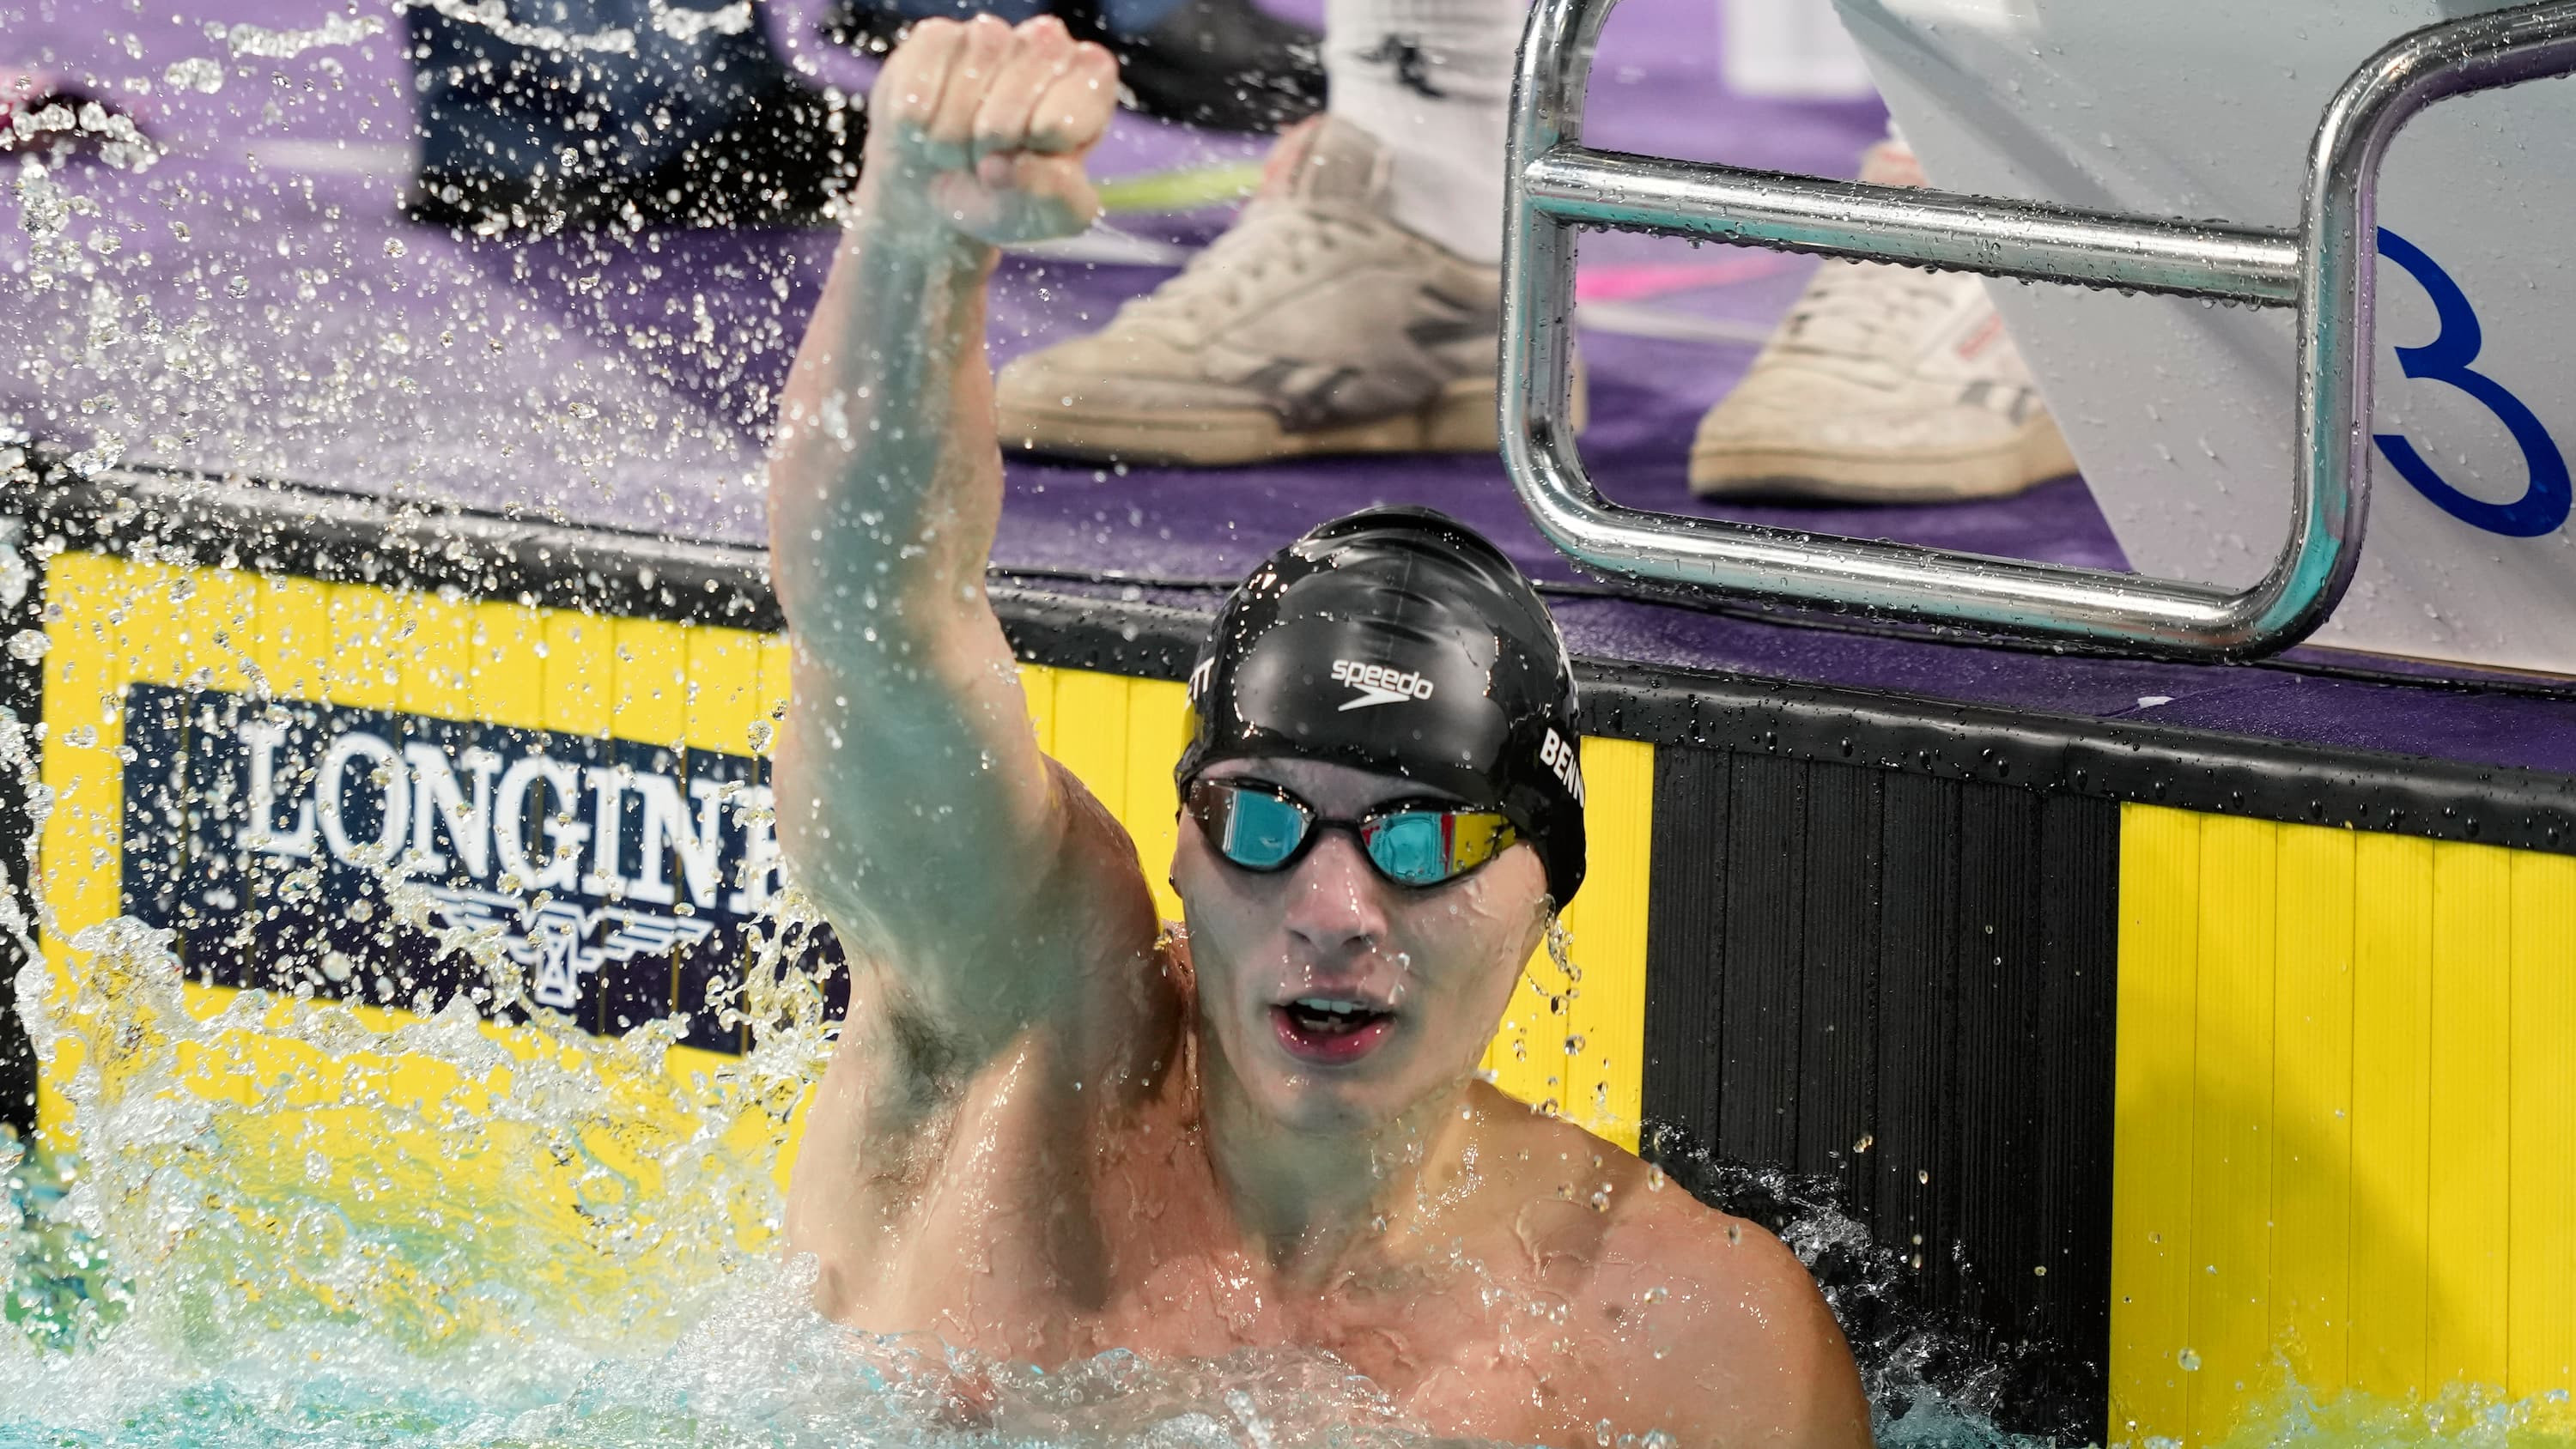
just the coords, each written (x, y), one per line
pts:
(979, 889)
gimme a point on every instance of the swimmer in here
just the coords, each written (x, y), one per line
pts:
(1053, 1127)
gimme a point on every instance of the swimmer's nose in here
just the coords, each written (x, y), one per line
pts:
(1334, 904)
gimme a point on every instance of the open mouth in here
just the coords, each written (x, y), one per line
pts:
(1328, 1029)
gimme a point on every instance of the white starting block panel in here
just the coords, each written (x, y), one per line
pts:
(2180, 412)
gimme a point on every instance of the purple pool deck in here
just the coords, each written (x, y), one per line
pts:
(251, 306)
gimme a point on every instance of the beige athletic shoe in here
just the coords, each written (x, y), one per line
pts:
(1314, 325)
(1884, 384)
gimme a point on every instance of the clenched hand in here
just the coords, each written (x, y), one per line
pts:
(982, 127)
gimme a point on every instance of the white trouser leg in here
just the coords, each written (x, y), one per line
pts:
(1432, 79)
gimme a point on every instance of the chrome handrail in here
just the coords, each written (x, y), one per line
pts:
(1557, 186)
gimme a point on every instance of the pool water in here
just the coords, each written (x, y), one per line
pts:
(761, 1369)
(206, 1275)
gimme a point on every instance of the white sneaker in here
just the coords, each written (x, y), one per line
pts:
(1884, 384)
(1315, 325)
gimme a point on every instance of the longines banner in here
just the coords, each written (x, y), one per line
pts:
(622, 878)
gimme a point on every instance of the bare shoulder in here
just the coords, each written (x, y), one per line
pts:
(1708, 1327)
(1739, 1346)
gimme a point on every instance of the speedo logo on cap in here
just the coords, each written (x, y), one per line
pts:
(1378, 683)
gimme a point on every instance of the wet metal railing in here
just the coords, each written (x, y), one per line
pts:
(2324, 270)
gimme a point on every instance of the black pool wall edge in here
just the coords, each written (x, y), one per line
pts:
(1894, 993)
(22, 684)
(345, 537)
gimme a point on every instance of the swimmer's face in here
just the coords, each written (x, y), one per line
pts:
(1430, 971)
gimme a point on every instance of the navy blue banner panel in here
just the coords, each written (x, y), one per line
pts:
(396, 859)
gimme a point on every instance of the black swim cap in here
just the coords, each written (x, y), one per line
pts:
(1398, 640)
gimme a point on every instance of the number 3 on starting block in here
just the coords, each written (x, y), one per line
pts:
(2447, 358)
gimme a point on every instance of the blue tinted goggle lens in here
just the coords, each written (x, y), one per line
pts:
(1411, 846)
(1261, 831)
(1262, 828)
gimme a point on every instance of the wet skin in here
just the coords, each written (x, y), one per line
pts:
(1052, 1127)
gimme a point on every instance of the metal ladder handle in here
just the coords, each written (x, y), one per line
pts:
(2325, 270)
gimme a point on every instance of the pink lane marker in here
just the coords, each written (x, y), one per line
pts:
(1636, 280)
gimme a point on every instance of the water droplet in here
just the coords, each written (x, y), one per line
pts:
(196, 73)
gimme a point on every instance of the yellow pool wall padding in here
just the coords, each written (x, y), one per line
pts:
(2346, 1121)
(122, 622)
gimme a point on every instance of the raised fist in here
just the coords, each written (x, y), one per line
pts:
(983, 127)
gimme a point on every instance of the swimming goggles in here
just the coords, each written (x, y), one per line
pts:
(1261, 827)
